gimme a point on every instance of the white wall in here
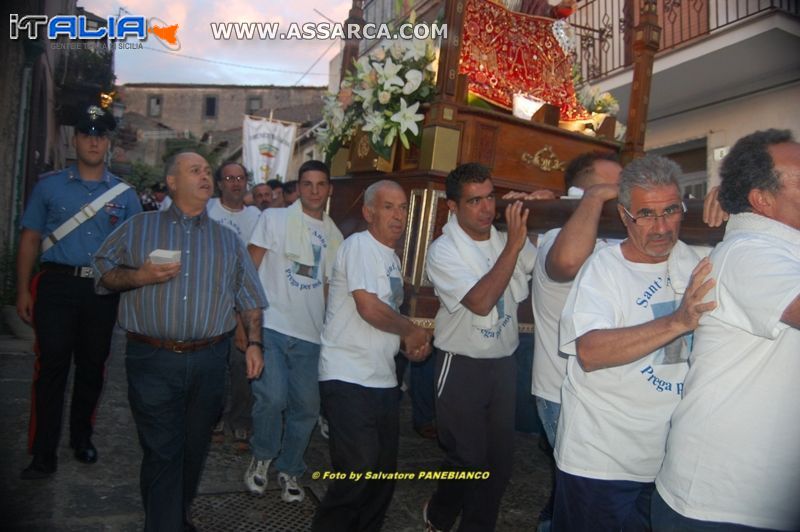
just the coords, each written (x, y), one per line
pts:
(723, 124)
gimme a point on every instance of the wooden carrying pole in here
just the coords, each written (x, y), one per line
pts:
(549, 214)
(647, 36)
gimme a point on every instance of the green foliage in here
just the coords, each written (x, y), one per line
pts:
(144, 176)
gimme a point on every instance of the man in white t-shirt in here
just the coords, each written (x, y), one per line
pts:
(627, 321)
(358, 383)
(294, 251)
(480, 277)
(732, 460)
(594, 178)
(230, 211)
(229, 208)
(262, 196)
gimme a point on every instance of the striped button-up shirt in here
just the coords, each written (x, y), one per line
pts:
(216, 279)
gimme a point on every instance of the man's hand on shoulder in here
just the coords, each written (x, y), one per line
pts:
(687, 315)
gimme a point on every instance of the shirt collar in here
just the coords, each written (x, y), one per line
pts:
(74, 174)
(749, 222)
(177, 215)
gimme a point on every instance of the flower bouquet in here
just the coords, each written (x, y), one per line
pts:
(381, 96)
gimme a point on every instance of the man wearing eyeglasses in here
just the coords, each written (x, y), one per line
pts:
(626, 328)
(229, 210)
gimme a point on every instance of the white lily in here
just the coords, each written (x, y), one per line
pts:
(374, 122)
(415, 49)
(396, 50)
(407, 118)
(387, 73)
(367, 96)
(413, 81)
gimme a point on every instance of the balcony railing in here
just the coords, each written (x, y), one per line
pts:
(604, 28)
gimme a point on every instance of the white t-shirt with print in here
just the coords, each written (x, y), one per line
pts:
(614, 421)
(452, 279)
(241, 222)
(295, 291)
(733, 453)
(548, 299)
(353, 350)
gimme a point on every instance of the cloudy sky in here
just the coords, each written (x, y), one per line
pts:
(202, 59)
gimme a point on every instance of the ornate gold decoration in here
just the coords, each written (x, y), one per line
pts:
(545, 159)
(425, 323)
(363, 149)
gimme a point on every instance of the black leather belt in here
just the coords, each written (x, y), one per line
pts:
(85, 272)
(176, 346)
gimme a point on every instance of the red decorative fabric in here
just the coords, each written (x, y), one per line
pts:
(504, 52)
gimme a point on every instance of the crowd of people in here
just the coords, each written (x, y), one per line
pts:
(663, 373)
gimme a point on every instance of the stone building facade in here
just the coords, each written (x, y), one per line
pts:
(202, 108)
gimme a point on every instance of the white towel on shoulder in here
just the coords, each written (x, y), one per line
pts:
(298, 244)
(472, 256)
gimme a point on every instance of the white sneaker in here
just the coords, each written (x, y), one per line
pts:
(256, 476)
(292, 492)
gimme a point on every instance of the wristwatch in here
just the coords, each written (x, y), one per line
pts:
(255, 342)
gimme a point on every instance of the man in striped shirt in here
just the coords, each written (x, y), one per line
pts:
(179, 315)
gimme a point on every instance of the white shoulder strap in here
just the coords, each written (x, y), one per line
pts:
(87, 212)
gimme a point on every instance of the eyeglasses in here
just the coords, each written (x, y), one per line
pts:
(236, 178)
(670, 214)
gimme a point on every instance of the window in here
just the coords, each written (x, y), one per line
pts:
(210, 107)
(154, 105)
(253, 104)
(691, 156)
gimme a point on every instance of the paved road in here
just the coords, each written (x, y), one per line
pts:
(105, 496)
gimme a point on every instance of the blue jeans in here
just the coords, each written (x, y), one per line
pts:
(286, 401)
(548, 414)
(665, 519)
(175, 399)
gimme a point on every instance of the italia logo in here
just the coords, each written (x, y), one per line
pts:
(78, 28)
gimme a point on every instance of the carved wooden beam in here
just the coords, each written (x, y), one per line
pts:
(647, 36)
(350, 52)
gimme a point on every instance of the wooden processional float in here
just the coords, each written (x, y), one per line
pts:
(523, 155)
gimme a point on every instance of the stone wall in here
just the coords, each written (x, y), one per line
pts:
(183, 106)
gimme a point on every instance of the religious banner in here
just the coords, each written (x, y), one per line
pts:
(267, 148)
(506, 53)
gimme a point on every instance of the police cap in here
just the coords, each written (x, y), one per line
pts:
(95, 122)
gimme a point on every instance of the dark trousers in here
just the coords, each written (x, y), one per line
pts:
(364, 436)
(238, 397)
(475, 419)
(592, 505)
(70, 321)
(175, 398)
